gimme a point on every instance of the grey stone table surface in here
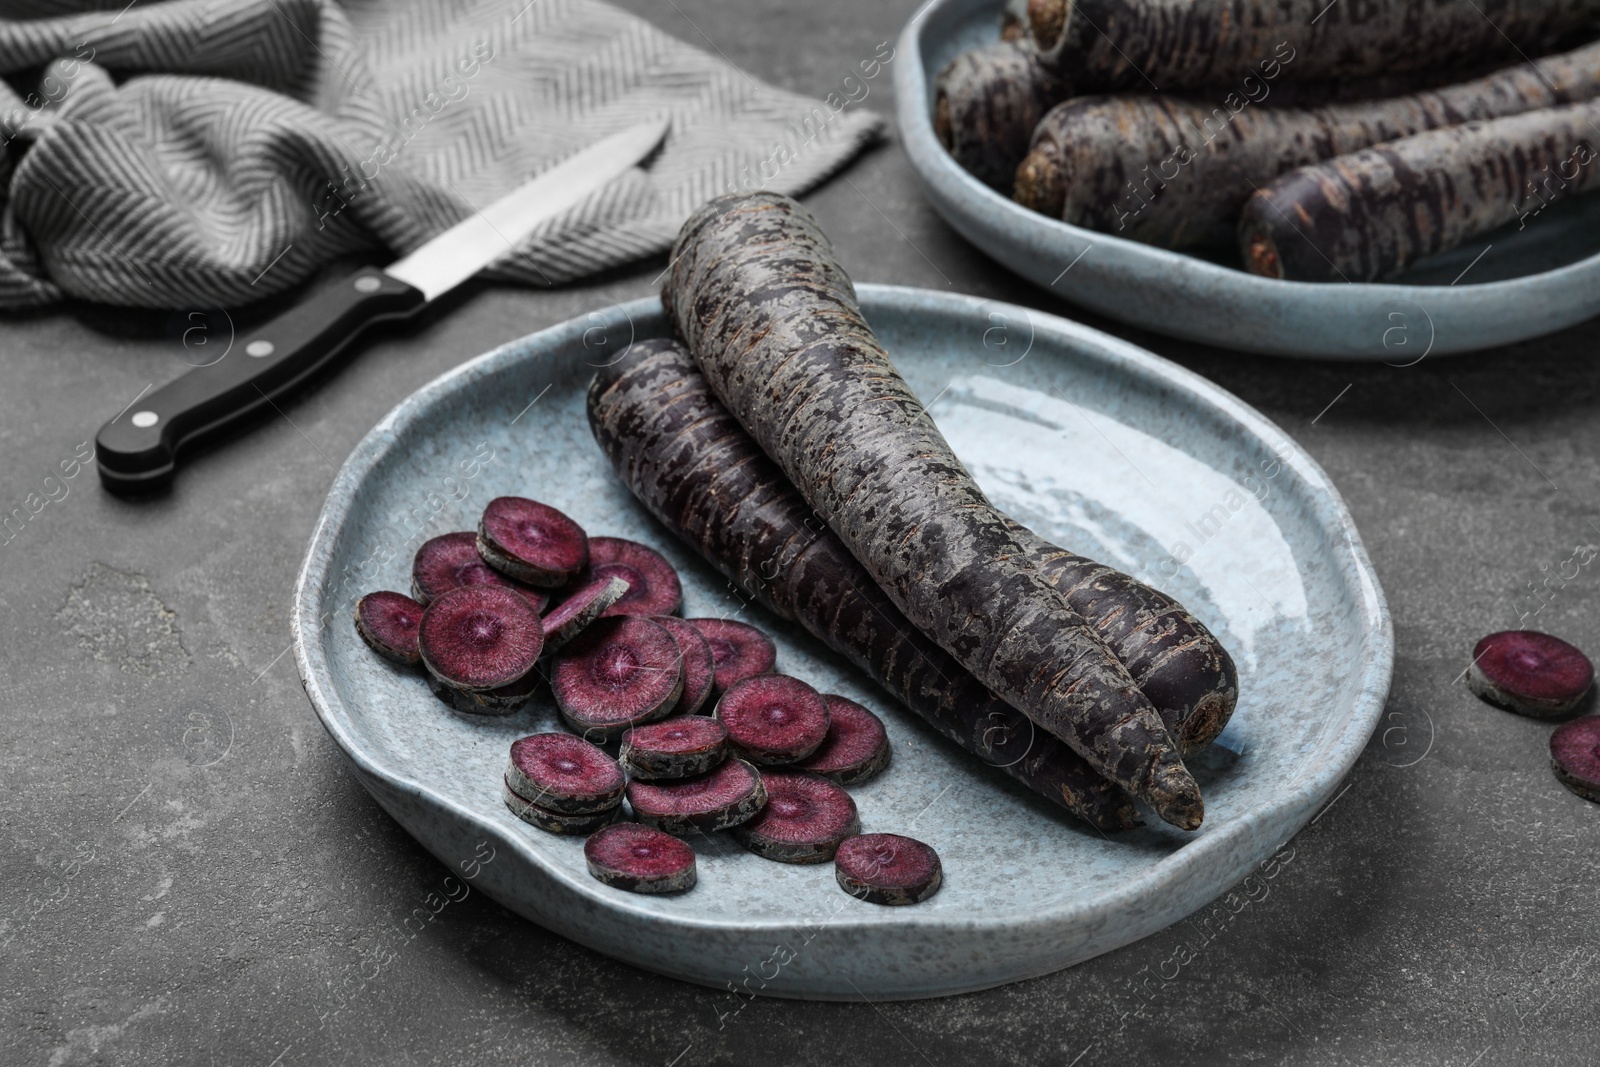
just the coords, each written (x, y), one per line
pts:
(190, 874)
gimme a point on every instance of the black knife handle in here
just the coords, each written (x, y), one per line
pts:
(138, 450)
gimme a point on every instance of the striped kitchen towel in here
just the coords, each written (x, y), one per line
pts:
(212, 152)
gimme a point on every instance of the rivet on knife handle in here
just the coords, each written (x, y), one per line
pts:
(138, 450)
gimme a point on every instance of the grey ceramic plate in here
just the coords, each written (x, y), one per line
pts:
(1529, 282)
(1093, 442)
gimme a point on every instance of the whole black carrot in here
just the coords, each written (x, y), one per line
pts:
(1183, 44)
(1175, 172)
(1371, 214)
(986, 104)
(1181, 668)
(693, 466)
(772, 321)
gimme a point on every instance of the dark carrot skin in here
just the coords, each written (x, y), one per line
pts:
(696, 470)
(1176, 172)
(1371, 214)
(772, 321)
(1180, 667)
(986, 104)
(1175, 660)
(1182, 44)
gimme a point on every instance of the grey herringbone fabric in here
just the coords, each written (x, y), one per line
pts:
(215, 151)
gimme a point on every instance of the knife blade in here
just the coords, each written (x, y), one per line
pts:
(138, 450)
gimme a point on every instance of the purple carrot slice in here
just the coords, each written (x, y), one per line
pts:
(640, 859)
(388, 623)
(1529, 672)
(773, 719)
(574, 614)
(1575, 755)
(506, 700)
(653, 586)
(564, 774)
(480, 637)
(531, 542)
(856, 748)
(451, 561)
(699, 668)
(682, 746)
(618, 673)
(805, 819)
(738, 649)
(556, 822)
(888, 869)
(727, 796)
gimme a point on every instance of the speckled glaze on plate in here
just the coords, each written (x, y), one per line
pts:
(1534, 281)
(1094, 442)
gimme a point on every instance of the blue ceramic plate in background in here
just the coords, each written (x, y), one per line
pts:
(1093, 442)
(1529, 282)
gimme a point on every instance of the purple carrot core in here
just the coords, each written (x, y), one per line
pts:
(480, 637)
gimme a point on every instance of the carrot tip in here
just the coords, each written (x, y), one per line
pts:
(1176, 798)
(1207, 720)
(1261, 255)
(1039, 183)
(1047, 19)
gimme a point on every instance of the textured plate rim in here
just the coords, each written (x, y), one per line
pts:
(937, 170)
(1294, 805)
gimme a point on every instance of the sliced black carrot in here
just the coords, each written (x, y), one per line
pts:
(805, 818)
(563, 773)
(681, 746)
(701, 475)
(738, 649)
(856, 748)
(480, 637)
(773, 719)
(888, 869)
(653, 586)
(618, 673)
(699, 666)
(772, 320)
(531, 542)
(574, 614)
(1529, 672)
(556, 822)
(506, 700)
(388, 623)
(1575, 755)
(451, 561)
(640, 859)
(727, 796)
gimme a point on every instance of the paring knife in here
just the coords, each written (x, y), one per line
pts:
(137, 451)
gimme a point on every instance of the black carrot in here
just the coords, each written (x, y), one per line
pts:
(1182, 44)
(1371, 214)
(692, 465)
(772, 321)
(986, 105)
(1175, 172)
